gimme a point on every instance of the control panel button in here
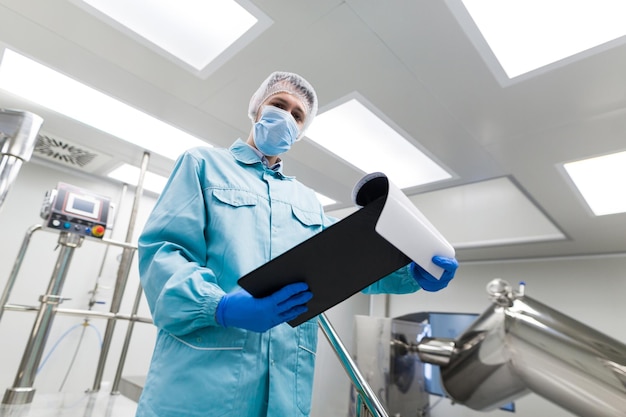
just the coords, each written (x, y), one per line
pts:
(97, 231)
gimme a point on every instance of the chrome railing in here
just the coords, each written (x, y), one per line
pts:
(367, 404)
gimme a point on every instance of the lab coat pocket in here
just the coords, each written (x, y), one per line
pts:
(235, 197)
(307, 347)
(232, 213)
(307, 218)
(214, 338)
(188, 372)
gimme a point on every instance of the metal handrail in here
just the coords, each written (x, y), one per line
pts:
(365, 392)
(16, 267)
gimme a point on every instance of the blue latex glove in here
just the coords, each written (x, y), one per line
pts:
(241, 309)
(429, 282)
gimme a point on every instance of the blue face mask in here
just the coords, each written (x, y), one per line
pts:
(275, 131)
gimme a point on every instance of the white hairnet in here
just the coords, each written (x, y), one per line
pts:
(286, 82)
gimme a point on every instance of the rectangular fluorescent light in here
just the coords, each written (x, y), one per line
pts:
(37, 83)
(355, 134)
(129, 174)
(528, 34)
(194, 31)
(601, 181)
(487, 213)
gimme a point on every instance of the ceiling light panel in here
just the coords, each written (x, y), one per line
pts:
(525, 35)
(488, 213)
(129, 174)
(484, 214)
(42, 85)
(357, 135)
(601, 181)
(194, 32)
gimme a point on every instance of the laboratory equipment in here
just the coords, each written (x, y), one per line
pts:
(18, 136)
(518, 345)
(74, 213)
(394, 375)
(71, 209)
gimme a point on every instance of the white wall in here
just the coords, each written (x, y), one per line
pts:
(590, 290)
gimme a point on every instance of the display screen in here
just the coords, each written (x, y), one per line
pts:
(83, 205)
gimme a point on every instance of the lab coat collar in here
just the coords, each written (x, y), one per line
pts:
(246, 155)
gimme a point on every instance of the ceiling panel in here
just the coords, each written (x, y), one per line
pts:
(412, 61)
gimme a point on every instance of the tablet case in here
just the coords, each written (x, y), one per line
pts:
(340, 261)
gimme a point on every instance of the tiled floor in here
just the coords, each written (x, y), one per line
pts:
(97, 404)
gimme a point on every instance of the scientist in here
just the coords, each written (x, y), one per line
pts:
(223, 213)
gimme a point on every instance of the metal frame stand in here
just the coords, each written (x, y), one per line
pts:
(22, 391)
(120, 286)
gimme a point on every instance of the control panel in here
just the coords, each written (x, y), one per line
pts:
(74, 210)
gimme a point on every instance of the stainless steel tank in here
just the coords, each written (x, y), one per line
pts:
(18, 136)
(519, 345)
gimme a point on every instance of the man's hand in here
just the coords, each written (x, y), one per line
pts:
(429, 282)
(241, 309)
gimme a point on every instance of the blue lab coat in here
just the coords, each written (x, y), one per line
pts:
(222, 214)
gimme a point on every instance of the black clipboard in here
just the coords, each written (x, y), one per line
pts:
(336, 263)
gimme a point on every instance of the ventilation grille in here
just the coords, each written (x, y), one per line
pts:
(69, 154)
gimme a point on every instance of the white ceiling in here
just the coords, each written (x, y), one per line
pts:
(416, 65)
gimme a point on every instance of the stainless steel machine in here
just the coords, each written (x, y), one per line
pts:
(518, 345)
(18, 136)
(76, 214)
(394, 375)
(71, 209)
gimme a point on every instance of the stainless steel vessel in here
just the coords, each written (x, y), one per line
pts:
(18, 136)
(519, 345)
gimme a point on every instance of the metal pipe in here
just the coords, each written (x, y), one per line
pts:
(20, 307)
(22, 391)
(436, 351)
(18, 264)
(18, 136)
(358, 381)
(122, 276)
(119, 244)
(106, 251)
(126, 345)
(83, 313)
(16, 267)
(104, 315)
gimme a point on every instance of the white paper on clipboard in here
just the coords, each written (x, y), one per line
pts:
(404, 226)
